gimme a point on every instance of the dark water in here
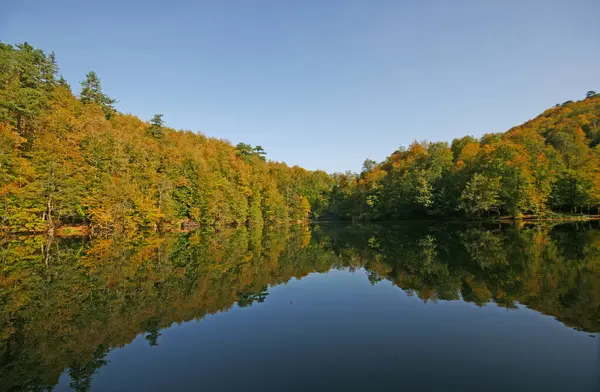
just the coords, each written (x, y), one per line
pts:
(406, 307)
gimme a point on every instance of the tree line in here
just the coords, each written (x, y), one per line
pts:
(67, 159)
(548, 165)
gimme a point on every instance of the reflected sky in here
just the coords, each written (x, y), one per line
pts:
(337, 331)
(411, 306)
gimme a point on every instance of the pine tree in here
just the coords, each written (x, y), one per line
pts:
(156, 126)
(91, 92)
(260, 152)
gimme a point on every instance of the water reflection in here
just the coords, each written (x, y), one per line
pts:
(67, 303)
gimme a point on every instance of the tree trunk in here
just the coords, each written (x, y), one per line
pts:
(49, 220)
(49, 240)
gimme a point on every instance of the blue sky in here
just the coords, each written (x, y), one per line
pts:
(323, 83)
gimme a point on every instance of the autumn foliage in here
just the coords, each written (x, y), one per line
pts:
(548, 165)
(78, 161)
(75, 160)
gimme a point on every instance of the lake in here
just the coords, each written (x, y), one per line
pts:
(411, 306)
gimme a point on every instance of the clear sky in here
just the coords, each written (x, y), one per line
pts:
(323, 83)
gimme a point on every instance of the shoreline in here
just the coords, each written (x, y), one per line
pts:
(84, 230)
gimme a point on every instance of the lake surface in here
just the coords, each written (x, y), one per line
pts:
(412, 306)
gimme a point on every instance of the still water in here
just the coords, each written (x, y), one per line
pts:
(415, 306)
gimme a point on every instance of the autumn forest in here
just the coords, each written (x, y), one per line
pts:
(74, 160)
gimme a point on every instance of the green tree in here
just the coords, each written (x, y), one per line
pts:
(260, 152)
(91, 92)
(244, 149)
(27, 77)
(156, 126)
(481, 194)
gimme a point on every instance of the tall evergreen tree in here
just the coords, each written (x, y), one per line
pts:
(91, 92)
(156, 126)
(27, 77)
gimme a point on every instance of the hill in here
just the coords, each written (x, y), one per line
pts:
(549, 164)
(76, 160)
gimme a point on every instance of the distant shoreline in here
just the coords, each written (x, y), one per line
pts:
(502, 219)
(84, 230)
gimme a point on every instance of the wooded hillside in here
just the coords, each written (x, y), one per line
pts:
(547, 165)
(69, 160)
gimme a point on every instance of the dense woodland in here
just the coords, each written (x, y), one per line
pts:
(68, 160)
(68, 302)
(548, 165)
(71, 160)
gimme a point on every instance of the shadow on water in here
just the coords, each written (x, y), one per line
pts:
(67, 303)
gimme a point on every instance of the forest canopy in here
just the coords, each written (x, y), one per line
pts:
(68, 159)
(76, 160)
(548, 165)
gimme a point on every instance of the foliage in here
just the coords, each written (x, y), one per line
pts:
(156, 126)
(69, 160)
(26, 77)
(91, 92)
(65, 160)
(481, 194)
(550, 163)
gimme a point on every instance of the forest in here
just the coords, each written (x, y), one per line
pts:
(547, 167)
(68, 160)
(74, 160)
